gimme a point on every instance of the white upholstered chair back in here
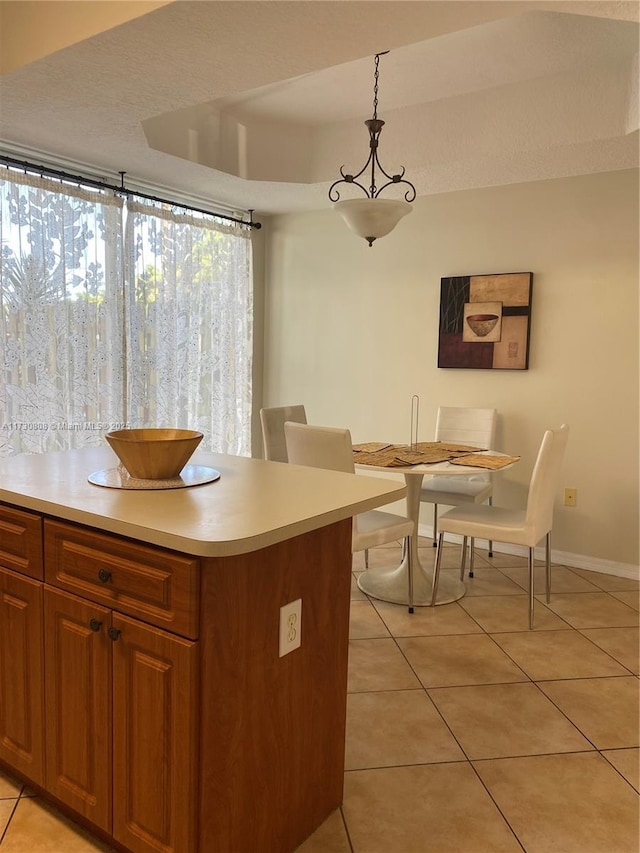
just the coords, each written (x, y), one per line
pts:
(273, 420)
(544, 482)
(466, 425)
(462, 425)
(319, 447)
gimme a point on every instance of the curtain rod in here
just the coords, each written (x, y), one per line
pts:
(92, 182)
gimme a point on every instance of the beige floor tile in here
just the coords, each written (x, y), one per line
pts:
(610, 583)
(604, 709)
(562, 579)
(37, 828)
(510, 613)
(438, 807)
(330, 837)
(509, 561)
(28, 792)
(459, 660)
(486, 581)
(396, 727)
(482, 557)
(499, 720)
(557, 654)
(382, 555)
(6, 810)
(629, 597)
(364, 622)
(623, 644)
(9, 786)
(426, 543)
(378, 665)
(593, 610)
(415, 791)
(356, 593)
(570, 803)
(627, 763)
(426, 621)
(450, 557)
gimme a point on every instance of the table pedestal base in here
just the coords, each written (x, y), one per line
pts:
(392, 585)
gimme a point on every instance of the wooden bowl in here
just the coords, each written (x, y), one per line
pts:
(154, 454)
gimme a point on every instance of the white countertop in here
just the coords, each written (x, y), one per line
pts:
(254, 503)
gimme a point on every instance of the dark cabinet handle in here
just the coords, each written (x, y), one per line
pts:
(95, 625)
(113, 633)
(104, 576)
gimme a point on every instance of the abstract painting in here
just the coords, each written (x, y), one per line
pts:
(485, 321)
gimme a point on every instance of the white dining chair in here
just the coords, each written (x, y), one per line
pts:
(514, 526)
(331, 448)
(462, 425)
(272, 421)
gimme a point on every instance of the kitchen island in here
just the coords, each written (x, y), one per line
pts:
(141, 682)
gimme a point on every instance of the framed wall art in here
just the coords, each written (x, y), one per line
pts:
(485, 321)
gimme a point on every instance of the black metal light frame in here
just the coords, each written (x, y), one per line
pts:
(374, 126)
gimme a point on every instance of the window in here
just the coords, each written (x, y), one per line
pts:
(117, 313)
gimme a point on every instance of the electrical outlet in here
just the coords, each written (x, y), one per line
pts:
(570, 497)
(290, 626)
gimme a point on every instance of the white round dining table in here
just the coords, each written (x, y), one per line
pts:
(391, 583)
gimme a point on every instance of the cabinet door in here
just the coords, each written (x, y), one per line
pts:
(78, 705)
(154, 738)
(21, 675)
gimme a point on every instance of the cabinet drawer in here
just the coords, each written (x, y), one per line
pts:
(150, 583)
(21, 541)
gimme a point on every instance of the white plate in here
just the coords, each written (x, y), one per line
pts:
(119, 478)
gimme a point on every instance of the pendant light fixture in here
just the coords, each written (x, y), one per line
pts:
(372, 217)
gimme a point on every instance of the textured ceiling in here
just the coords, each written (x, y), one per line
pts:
(257, 104)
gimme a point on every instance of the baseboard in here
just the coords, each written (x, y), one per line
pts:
(562, 558)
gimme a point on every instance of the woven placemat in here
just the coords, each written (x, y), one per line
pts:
(383, 455)
(494, 463)
(381, 458)
(455, 448)
(371, 446)
(414, 456)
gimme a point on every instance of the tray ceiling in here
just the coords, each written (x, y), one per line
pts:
(257, 104)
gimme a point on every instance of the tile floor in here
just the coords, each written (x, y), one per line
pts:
(467, 733)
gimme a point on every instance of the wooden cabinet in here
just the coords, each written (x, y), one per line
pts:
(152, 584)
(121, 726)
(143, 688)
(78, 705)
(95, 706)
(21, 674)
(155, 748)
(21, 541)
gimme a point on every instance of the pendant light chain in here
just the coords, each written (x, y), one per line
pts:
(376, 75)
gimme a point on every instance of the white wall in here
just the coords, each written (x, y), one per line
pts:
(352, 332)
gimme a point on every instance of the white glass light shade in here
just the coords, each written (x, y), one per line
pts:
(372, 217)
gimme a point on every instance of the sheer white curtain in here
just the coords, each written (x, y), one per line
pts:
(189, 325)
(61, 302)
(115, 314)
